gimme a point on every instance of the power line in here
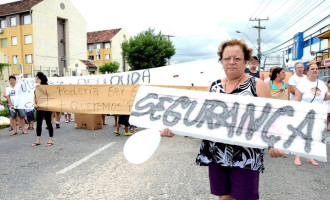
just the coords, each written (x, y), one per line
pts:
(295, 22)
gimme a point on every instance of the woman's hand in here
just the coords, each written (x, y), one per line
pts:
(274, 153)
(166, 132)
(36, 106)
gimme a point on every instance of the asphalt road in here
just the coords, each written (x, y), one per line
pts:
(85, 164)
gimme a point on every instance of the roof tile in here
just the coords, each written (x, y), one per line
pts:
(101, 36)
(17, 7)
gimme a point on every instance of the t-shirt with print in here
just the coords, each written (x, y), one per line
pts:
(293, 81)
(307, 88)
(11, 92)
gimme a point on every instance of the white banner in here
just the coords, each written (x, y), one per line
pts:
(197, 73)
(295, 127)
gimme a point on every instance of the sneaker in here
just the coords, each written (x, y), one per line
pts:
(71, 120)
(57, 125)
(117, 132)
(128, 134)
(66, 121)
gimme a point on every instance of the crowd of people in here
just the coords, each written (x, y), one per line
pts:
(231, 177)
(234, 170)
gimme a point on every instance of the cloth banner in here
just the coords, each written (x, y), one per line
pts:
(295, 127)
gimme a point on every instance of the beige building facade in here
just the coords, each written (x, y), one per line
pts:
(48, 35)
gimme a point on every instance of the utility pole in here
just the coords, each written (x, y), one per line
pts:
(168, 39)
(259, 40)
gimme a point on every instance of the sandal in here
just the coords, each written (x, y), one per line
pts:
(312, 162)
(297, 162)
(24, 133)
(35, 144)
(49, 144)
(15, 133)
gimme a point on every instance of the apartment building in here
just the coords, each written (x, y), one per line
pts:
(41, 35)
(105, 47)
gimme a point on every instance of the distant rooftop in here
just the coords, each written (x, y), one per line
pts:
(89, 63)
(101, 36)
(17, 7)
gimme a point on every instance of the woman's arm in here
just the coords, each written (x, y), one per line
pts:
(298, 95)
(263, 89)
(326, 96)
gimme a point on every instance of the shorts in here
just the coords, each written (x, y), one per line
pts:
(30, 116)
(12, 113)
(123, 120)
(237, 182)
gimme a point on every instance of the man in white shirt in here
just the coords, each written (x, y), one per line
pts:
(11, 93)
(297, 77)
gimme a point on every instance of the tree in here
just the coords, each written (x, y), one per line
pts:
(2, 67)
(109, 67)
(147, 50)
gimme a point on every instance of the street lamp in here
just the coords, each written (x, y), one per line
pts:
(247, 38)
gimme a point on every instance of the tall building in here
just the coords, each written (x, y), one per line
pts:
(105, 47)
(41, 35)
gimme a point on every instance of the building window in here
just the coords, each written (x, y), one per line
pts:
(28, 39)
(98, 46)
(98, 57)
(27, 19)
(90, 57)
(306, 43)
(4, 42)
(28, 59)
(107, 45)
(90, 46)
(107, 56)
(13, 21)
(15, 58)
(3, 23)
(14, 40)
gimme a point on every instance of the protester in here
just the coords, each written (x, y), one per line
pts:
(296, 78)
(103, 120)
(56, 115)
(328, 102)
(30, 118)
(254, 62)
(234, 170)
(270, 74)
(311, 90)
(67, 117)
(11, 92)
(41, 114)
(123, 120)
(277, 84)
(8, 107)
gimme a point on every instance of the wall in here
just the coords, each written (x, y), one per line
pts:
(44, 19)
(117, 40)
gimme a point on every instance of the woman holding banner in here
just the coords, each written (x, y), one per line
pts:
(311, 90)
(41, 114)
(234, 170)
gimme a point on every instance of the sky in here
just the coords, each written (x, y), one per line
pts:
(197, 27)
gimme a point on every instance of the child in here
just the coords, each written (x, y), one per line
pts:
(123, 119)
(30, 118)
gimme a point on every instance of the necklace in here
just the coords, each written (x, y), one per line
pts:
(235, 85)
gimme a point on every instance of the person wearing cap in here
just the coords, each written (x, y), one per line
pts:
(254, 62)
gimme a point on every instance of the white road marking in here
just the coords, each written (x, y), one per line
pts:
(84, 159)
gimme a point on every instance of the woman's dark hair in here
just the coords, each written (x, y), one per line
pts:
(275, 72)
(246, 50)
(43, 78)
